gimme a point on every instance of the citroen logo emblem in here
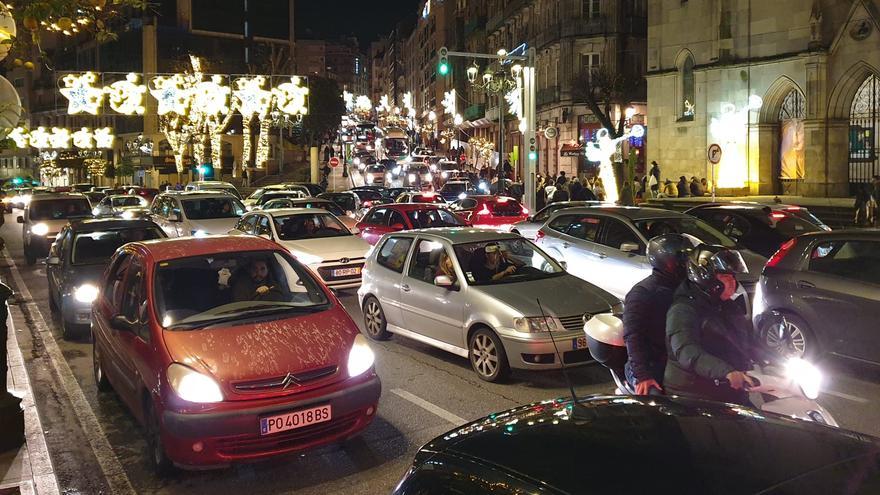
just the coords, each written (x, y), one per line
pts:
(288, 380)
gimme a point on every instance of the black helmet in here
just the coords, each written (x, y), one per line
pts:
(669, 253)
(707, 261)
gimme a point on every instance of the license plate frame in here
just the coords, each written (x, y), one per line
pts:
(579, 343)
(293, 420)
(345, 272)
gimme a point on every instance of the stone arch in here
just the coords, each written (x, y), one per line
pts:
(840, 102)
(774, 98)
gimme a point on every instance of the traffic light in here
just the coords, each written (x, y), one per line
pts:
(533, 150)
(443, 65)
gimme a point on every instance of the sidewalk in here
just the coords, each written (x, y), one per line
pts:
(27, 470)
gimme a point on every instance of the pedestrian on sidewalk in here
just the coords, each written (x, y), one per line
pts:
(654, 181)
(864, 205)
(246, 179)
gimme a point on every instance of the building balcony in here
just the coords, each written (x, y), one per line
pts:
(511, 10)
(475, 112)
(547, 96)
(495, 21)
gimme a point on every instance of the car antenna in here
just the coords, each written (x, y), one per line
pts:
(558, 355)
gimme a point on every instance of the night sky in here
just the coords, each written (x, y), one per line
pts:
(367, 20)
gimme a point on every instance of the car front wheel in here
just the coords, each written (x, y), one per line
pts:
(155, 448)
(98, 370)
(487, 356)
(374, 320)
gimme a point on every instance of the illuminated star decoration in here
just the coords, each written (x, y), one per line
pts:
(104, 138)
(291, 97)
(349, 100)
(448, 102)
(20, 137)
(211, 97)
(363, 103)
(251, 97)
(60, 138)
(127, 97)
(40, 138)
(83, 138)
(81, 93)
(169, 91)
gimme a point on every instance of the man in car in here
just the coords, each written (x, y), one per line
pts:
(496, 266)
(257, 285)
(644, 313)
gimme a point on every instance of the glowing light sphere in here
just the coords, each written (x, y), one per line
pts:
(7, 32)
(638, 131)
(127, 97)
(362, 103)
(755, 102)
(81, 93)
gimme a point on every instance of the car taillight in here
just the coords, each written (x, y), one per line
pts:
(525, 211)
(484, 211)
(778, 216)
(782, 253)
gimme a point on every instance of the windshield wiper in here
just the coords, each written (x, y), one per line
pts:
(265, 311)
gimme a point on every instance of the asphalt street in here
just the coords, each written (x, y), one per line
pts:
(97, 447)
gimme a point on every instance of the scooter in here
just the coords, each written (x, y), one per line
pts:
(790, 390)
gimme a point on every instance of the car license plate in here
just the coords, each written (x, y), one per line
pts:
(579, 343)
(345, 272)
(294, 420)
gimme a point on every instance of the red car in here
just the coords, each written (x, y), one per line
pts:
(227, 349)
(394, 217)
(421, 197)
(491, 211)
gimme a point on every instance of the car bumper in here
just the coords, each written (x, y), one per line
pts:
(75, 312)
(325, 273)
(534, 353)
(233, 436)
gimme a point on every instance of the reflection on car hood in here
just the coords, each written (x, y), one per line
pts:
(350, 246)
(86, 274)
(562, 295)
(214, 225)
(675, 444)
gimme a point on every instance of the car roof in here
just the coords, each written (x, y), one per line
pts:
(846, 234)
(51, 196)
(93, 224)
(629, 212)
(748, 205)
(197, 194)
(411, 206)
(184, 247)
(282, 212)
(675, 444)
(463, 235)
(211, 183)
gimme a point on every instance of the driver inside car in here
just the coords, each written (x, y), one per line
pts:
(257, 284)
(496, 267)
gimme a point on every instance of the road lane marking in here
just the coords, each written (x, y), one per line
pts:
(430, 407)
(37, 460)
(846, 396)
(110, 465)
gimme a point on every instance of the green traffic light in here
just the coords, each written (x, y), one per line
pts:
(533, 155)
(444, 69)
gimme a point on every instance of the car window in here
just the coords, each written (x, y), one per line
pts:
(791, 226)
(699, 229)
(584, 227)
(393, 253)
(544, 214)
(97, 247)
(309, 226)
(115, 286)
(617, 234)
(468, 204)
(323, 205)
(209, 208)
(855, 260)
(277, 204)
(504, 261)
(424, 219)
(376, 217)
(426, 261)
(396, 218)
(247, 224)
(197, 291)
(57, 209)
(731, 224)
(133, 305)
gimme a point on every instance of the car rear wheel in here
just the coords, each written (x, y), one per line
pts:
(98, 370)
(374, 320)
(789, 336)
(155, 448)
(487, 356)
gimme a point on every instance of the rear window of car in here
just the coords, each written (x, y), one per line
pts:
(792, 226)
(423, 219)
(344, 201)
(59, 209)
(92, 248)
(208, 208)
(505, 207)
(393, 253)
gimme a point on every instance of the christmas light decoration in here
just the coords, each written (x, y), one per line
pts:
(104, 138)
(602, 150)
(290, 97)
(211, 97)
(40, 138)
(448, 102)
(363, 104)
(730, 129)
(83, 138)
(172, 94)
(252, 99)
(81, 93)
(127, 97)
(60, 138)
(348, 98)
(20, 137)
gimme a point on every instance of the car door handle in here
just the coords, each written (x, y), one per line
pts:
(405, 288)
(566, 245)
(803, 284)
(601, 255)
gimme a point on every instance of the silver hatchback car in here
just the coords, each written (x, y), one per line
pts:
(492, 297)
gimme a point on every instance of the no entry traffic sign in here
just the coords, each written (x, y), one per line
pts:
(334, 162)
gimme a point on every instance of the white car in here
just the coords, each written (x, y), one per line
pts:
(196, 213)
(118, 204)
(316, 238)
(254, 198)
(213, 185)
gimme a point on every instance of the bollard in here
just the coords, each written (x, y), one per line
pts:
(313, 155)
(11, 413)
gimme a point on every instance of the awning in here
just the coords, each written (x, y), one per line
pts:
(476, 124)
(571, 150)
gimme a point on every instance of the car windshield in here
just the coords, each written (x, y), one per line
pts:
(280, 194)
(200, 291)
(208, 208)
(454, 187)
(309, 226)
(435, 217)
(92, 248)
(323, 205)
(345, 201)
(505, 261)
(128, 201)
(695, 227)
(59, 209)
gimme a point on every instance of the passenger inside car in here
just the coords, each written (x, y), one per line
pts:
(446, 267)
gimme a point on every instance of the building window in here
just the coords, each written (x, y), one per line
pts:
(590, 63)
(688, 92)
(590, 8)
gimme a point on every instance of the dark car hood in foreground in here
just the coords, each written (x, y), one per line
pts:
(665, 445)
(561, 295)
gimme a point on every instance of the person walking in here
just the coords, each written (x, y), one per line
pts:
(245, 177)
(540, 194)
(654, 181)
(561, 179)
(576, 190)
(588, 191)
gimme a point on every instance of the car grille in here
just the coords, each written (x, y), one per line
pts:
(288, 440)
(326, 272)
(279, 382)
(572, 323)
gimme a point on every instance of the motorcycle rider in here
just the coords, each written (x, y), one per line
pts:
(708, 336)
(645, 308)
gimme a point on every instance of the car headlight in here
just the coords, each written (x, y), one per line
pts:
(411, 177)
(535, 324)
(444, 175)
(429, 177)
(806, 375)
(85, 293)
(128, 214)
(192, 386)
(40, 229)
(433, 168)
(198, 233)
(361, 357)
(306, 258)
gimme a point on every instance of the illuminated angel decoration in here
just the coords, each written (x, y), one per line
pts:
(291, 97)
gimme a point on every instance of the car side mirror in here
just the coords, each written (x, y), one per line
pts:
(53, 260)
(563, 264)
(121, 323)
(20, 219)
(174, 217)
(629, 247)
(268, 237)
(443, 281)
(398, 226)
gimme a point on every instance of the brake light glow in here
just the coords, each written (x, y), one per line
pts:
(503, 199)
(778, 216)
(484, 211)
(782, 253)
